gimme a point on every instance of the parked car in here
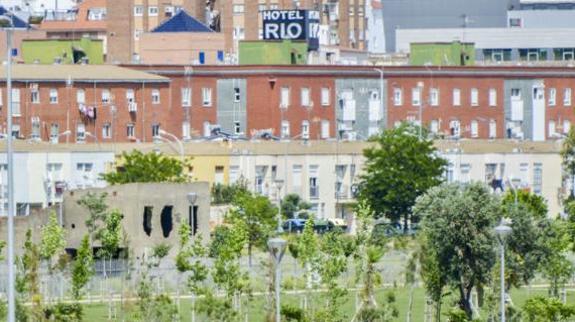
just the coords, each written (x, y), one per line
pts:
(294, 225)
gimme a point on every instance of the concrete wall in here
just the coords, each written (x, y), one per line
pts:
(45, 51)
(130, 200)
(272, 52)
(181, 48)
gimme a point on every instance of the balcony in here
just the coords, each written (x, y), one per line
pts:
(132, 107)
(341, 191)
(314, 192)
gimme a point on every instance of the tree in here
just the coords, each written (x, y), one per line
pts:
(225, 194)
(28, 279)
(150, 167)
(543, 309)
(458, 223)
(398, 170)
(258, 215)
(82, 268)
(555, 266)
(308, 255)
(292, 204)
(97, 210)
(568, 156)
(52, 244)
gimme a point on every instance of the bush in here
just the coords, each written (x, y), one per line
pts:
(292, 313)
(64, 312)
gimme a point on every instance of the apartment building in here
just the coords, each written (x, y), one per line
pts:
(84, 103)
(127, 20)
(342, 22)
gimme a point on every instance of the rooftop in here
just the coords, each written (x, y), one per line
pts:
(87, 16)
(79, 73)
(182, 22)
(16, 21)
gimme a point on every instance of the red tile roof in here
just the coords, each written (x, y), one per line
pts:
(81, 23)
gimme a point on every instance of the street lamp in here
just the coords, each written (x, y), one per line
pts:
(279, 184)
(175, 138)
(277, 247)
(502, 231)
(192, 198)
(7, 23)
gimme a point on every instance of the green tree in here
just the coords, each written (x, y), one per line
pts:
(52, 245)
(555, 266)
(97, 211)
(568, 156)
(258, 215)
(308, 255)
(28, 279)
(535, 204)
(149, 167)
(82, 268)
(398, 170)
(543, 309)
(293, 204)
(458, 223)
(224, 194)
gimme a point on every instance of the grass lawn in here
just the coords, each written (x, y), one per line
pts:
(99, 312)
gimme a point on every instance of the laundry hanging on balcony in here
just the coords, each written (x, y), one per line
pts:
(87, 111)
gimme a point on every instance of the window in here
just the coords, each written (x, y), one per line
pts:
(305, 100)
(492, 97)
(325, 99)
(219, 174)
(567, 97)
(514, 22)
(434, 126)
(397, 97)
(207, 129)
(106, 96)
(130, 130)
(186, 130)
(285, 129)
(474, 97)
(434, 97)
(449, 172)
(106, 131)
(80, 133)
(186, 96)
(465, 170)
(324, 129)
(54, 132)
(206, 96)
(296, 176)
(566, 126)
(237, 94)
(551, 128)
(492, 129)
(81, 96)
(234, 173)
(155, 130)
(53, 96)
(130, 96)
(516, 93)
(84, 175)
(238, 9)
(552, 96)
(261, 7)
(35, 128)
(456, 97)
(416, 96)
(285, 97)
(305, 130)
(15, 101)
(155, 96)
(237, 127)
(313, 181)
(34, 94)
(16, 130)
(137, 34)
(537, 178)
(455, 128)
(474, 129)
(138, 11)
(153, 11)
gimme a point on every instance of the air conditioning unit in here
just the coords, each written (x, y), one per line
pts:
(132, 107)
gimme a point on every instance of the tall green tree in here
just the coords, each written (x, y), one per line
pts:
(398, 169)
(149, 167)
(97, 209)
(568, 156)
(259, 217)
(52, 245)
(543, 309)
(82, 268)
(293, 204)
(458, 222)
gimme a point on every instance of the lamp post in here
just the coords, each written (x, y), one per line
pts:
(279, 184)
(6, 22)
(175, 138)
(502, 231)
(277, 247)
(192, 198)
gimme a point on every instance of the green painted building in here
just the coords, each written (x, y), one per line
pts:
(47, 51)
(284, 52)
(442, 54)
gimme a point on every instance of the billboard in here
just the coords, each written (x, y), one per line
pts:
(292, 25)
